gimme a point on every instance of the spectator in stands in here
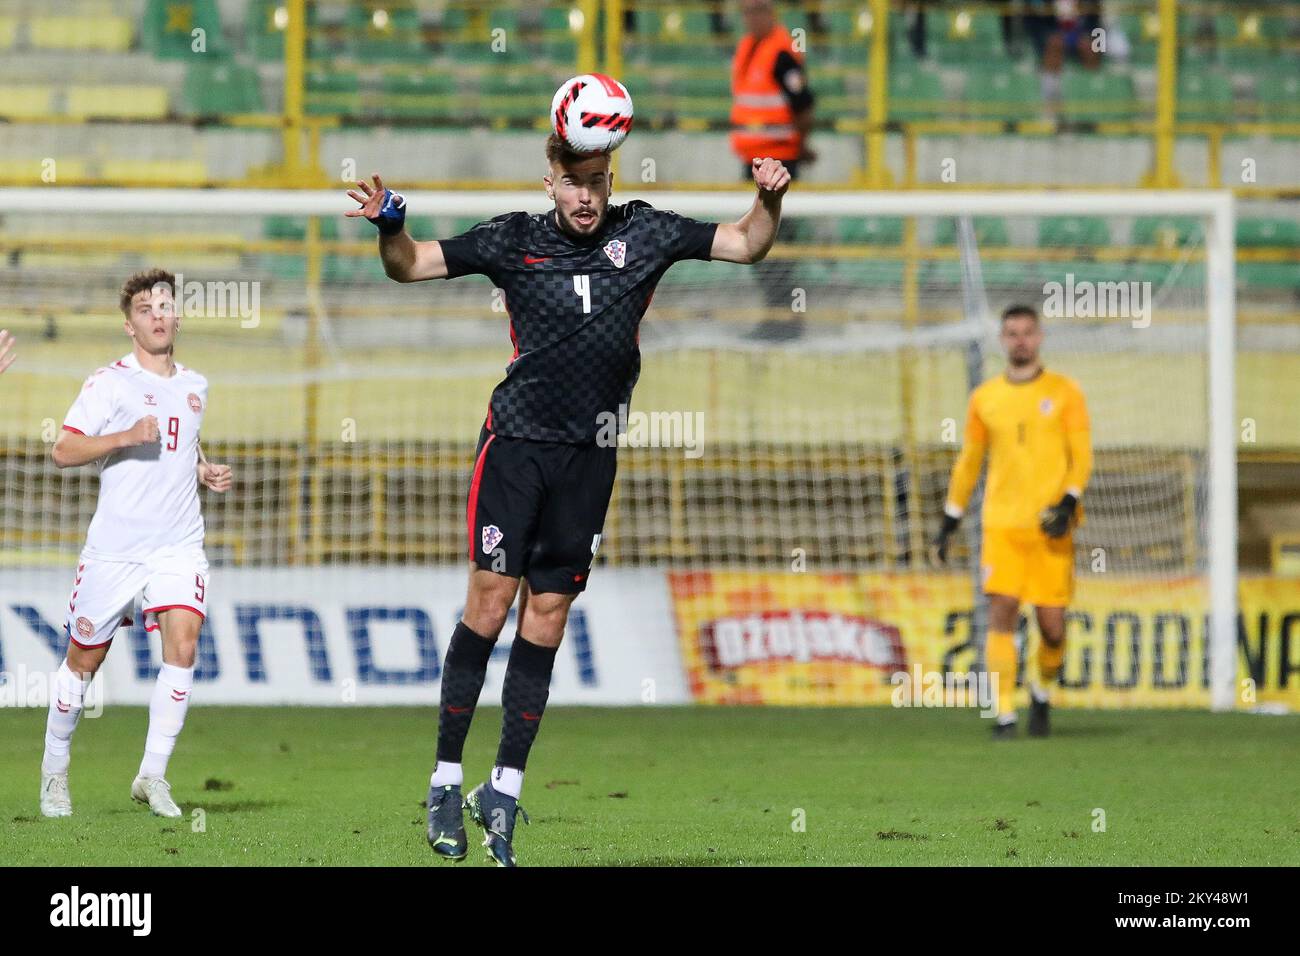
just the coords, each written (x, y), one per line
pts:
(1058, 30)
(771, 116)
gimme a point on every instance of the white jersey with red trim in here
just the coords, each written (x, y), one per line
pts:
(148, 495)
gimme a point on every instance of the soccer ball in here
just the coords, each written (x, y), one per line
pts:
(592, 113)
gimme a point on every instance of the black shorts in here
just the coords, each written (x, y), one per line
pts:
(536, 509)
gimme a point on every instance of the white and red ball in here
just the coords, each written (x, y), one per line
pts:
(592, 113)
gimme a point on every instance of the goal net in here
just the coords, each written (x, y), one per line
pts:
(787, 449)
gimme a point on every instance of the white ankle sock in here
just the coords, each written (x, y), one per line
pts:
(65, 711)
(171, 699)
(447, 774)
(508, 780)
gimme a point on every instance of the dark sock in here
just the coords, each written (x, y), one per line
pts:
(462, 680)
(523, 700)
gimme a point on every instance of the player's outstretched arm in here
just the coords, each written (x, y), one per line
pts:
(750, 239)
(405, 260)
(73, 449)
(7, 354)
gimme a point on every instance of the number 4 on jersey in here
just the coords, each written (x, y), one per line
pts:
(582, 286)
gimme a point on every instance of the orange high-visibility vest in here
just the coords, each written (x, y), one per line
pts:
(762, 123)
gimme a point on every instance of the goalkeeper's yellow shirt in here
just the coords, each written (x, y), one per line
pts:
(1037, 437)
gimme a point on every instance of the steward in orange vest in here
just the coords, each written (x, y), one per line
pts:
(771, 109)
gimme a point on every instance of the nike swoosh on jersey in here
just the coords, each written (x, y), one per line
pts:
(533, 260)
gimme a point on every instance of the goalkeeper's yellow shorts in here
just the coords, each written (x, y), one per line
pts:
(1028, 565)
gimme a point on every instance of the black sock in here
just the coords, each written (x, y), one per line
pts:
(463, 671)
(523, 700)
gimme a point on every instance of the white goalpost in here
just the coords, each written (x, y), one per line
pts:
(809, 454)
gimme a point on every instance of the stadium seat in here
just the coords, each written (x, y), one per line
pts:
(963, 35)
(393, 38)
(330, 93)
(167, 31)
(117, 102)
(32, 171)
(915, 93)
(155, 172)
(221, 87)
(1278, 92)
(80, 32)
(1143, 34)
(1204, 97)
(989, 231)
(1003, 93)
(1079, 231)
(8, 32)
(28, 101)
(265, 22)
(427, 95)
(1269, 233)
(1167, 232)
(872, 231)
(1097, 96)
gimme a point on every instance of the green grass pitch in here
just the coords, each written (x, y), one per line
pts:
(679, 786)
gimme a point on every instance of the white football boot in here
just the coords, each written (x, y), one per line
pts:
(157, 793)
(55, 799)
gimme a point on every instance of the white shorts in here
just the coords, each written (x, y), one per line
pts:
(104, 593)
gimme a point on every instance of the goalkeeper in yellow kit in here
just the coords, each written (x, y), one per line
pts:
(1034, 425)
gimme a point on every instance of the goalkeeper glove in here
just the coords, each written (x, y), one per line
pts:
(1055, 521)
(938, 551)
(392, 214)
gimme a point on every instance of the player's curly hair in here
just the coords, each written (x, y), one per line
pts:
(559, 153)
(143, 282)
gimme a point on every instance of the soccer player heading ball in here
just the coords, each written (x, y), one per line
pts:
(140, 417)
(1034, 425)
(577, 280)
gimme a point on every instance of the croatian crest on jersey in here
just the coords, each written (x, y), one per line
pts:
(491, 538)
(616, 249)
(196, 404)
(1045, 406)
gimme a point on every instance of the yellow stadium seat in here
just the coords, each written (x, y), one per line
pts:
(80, 33)
(155, 172)
(32, 172)
(117, 102)
(8, 32)
(26, 102)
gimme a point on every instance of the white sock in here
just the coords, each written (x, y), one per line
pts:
(171, 698)
(65, 711)
(1004, 719)
(508, 780)
(1039, 692)
(446, 774)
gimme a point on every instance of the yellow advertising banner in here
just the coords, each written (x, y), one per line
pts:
(807, 638)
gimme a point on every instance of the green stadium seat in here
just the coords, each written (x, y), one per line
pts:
(1167, 232)
(221, 87)
(168, 25)
(963, 35)
(1002, 93)
(383, 35)
(1078, 231)
(426, 95)
(916, 93)
(989, 231)
(1278, 92)
(1264, 232)
(265, 23)
(870, 230)
(1204, 97)
(1097, 96)
(332, 93)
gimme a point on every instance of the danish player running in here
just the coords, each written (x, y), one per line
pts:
(1033, 423)
(577, 280)
(139, 417)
